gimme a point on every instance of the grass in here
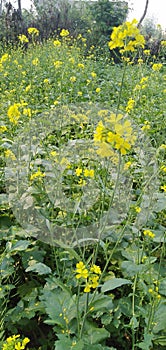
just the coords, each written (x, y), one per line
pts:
(82, 222)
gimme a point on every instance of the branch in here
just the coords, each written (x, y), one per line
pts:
(144, 14)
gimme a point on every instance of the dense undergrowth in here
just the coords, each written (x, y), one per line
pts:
(82, 251)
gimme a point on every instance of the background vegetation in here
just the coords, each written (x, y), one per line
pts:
(68, 294)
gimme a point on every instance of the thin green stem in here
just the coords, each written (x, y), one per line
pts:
(121, 87)
(85, 315)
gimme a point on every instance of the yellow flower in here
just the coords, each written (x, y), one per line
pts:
(72, 79)
(13, 114)
(3, 128)
(146, 126)
(163, 168)
(46, 81)
(78, 171)
(27, 112)
(35, 61)
(4, 58)
(163, 188)
(121, 37)
(147, 52)
(23, 38)
(57, 43)
(137, 209)
(72, 60)
(87, 288)
(19, 346)
(64, 33)
(162, 147)
(157, 66)
(96, 269)
(28, 87)
(79, 93)
(130, 105)
(163, 43)
(89, 173)
(9, 154)
(57, 64)
(33, 31)
(81, 271)
(25, 341)
(81, 65)
(127, 165)
(36, 175)
(148, 233)
(93, 74)
(94, 281)
(143, 80)
(140, 61)
(98, 90)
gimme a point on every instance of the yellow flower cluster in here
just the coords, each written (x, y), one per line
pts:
(130, 105)
(14, 113)
(33, 31)
(148, 233)
(91, 276)
(163, 43)
(57, 64)
(81, 65)
(163, 168)
(4, 58)
(57, 43)
(3, 128)
(163, 188)
(9, 154)
(35, 62)
(23, 38)
(127, 37)
(72, 79)
(15, 343)
(157, 66)
(85, 172)
(117, 132)
(37, 175)
(146, 126)
(64, 33)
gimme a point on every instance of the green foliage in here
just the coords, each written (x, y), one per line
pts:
(60, 97)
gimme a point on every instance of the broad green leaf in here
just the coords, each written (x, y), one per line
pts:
(146, 344)
(114, 283)
(40, 268)
(96, 335)
(65, 343)
(20, 246)
(55, 302)
(131, 269)
(160, 318)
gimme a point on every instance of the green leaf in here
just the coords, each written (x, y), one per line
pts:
(131, 269)
(40, 268)
(162, 287)
(159, 317)
(102, 302)
(146, 344)
(20, 246)
(68, 344)
(94, 335)
(55, 302)
(114, 283)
